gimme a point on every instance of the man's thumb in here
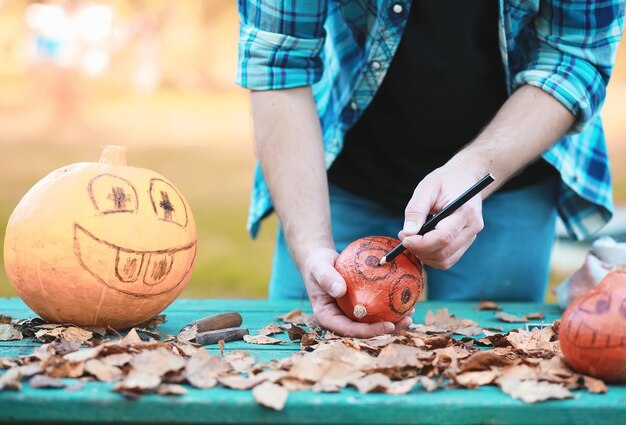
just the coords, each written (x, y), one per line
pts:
(416, 211)
(331, 281)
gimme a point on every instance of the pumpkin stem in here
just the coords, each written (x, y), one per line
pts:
(360, 311)
(114, 155)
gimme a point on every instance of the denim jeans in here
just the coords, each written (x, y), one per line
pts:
(509, 260)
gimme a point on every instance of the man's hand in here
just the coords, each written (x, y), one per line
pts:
(442, 247)
(527, 124)
(324, 284)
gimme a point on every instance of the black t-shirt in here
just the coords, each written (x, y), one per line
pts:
(445, 83)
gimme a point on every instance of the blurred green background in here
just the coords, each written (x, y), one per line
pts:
(157, 76)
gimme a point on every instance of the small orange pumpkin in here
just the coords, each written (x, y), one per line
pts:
(593, 330)
(378, 293)
(100, 244)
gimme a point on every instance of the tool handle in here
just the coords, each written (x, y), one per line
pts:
(226, 335)
(217, 321)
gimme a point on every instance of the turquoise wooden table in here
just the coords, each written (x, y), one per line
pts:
(96, 403)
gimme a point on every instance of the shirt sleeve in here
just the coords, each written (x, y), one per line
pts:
(575, 52)
(280, 43)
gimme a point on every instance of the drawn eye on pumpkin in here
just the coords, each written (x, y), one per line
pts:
(597, 303)
(167, 203)
(112, 194)
(402, 297)
(366, 263)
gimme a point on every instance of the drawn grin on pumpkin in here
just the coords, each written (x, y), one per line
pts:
(582, 334)
(138, 273)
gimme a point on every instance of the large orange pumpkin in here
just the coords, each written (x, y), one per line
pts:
(377, 293)
(100, 244)
(593, 330)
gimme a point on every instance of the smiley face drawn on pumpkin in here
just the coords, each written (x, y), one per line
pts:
(593, 309)
(140, 273)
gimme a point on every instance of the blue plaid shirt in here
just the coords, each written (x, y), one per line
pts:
(344, 47)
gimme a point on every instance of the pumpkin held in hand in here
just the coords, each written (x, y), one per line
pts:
(593, 330)
(100, 244)
(378, 293)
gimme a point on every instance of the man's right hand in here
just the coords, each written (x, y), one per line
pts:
(324, 284)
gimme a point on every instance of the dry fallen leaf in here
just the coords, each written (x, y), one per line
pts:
(154, 322)
(58, 367)
(261, 339)
(402, 387)
(238, 382)
(9, 333)
(53, 332)
(158, 362)
(44, 381)
(102, 371)
(444, 322)
(188, 335)
(137, 383)
(297, 317)
(202, 369)
(483, 360)
(295, 333)
(488, 305)
(270, 395)
(83, 355)
(376, 382)
(594, 385)
(119, 359)
(535, 316)
(398, 356)
(510, 318)
(271, 329)
(10, 380)
(476, 379)
(240, 361)
(171, 389)
(533, 391)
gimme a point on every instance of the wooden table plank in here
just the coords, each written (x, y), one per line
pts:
(96, 403)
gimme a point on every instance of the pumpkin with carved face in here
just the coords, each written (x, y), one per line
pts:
(593, 330)
(377, 293)
(100, 244)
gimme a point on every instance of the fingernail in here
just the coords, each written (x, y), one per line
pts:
(335, 288)
(389, 327)
(410, 227)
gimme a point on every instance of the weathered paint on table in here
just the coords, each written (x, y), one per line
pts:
(96, 403)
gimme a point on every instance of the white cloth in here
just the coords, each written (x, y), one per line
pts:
(605, 254)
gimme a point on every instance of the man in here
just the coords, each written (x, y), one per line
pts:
(391, 109)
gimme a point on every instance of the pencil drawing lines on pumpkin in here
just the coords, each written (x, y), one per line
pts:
(133, 272)
(111, 194)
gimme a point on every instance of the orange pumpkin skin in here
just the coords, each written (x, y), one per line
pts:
(378, 293)
(100, 244)
(593, 330)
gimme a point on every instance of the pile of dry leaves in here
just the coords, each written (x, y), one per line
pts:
(526, 365)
